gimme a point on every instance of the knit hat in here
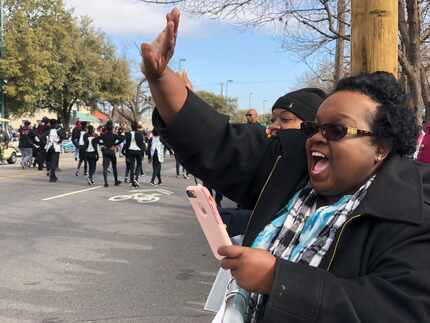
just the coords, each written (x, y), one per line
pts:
(304, 103)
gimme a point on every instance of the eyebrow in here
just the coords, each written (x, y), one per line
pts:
(340, 117)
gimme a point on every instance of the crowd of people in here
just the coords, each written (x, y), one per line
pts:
(41, 145)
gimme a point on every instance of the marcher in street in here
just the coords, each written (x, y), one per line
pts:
(324, 245)
(91, 153)
(26, 144)
(108, 140)
(76, 134)
(54, 137)
(82, 149)
(134, 148)
(156, 155)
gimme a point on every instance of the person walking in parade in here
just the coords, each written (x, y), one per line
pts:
(109, 140)
(26, 144)
(54, 137)
(91, 153)
(134, 148)
(82, 149)
(156, 155)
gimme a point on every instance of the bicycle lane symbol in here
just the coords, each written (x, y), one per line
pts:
(142, 196)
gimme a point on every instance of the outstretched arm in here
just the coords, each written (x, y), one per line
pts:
(168, 89)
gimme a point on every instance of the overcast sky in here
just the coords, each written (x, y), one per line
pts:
(211, 51)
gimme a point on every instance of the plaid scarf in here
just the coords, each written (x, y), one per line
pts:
(303, 233)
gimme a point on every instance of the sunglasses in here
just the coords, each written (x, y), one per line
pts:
(248, 115)
(332, 131)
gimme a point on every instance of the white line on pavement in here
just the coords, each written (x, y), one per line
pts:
(71, 193)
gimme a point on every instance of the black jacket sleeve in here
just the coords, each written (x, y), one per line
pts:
(224, 155)
(395, 287)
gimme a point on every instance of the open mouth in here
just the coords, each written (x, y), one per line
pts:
(320, 162)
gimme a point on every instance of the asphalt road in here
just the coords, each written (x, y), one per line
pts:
(100, 255)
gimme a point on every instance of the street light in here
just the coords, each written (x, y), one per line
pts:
(226, 87)
(181, 60)
(250, 99)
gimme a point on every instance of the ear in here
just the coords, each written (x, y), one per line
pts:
(382, 151)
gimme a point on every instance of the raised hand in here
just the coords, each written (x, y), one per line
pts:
(157, 55)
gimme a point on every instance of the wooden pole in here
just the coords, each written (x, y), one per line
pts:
(374, 36)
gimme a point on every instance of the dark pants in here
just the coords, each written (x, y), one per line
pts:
(40, 157)
(91, 158)
(135, 157)
(82, 158)
(109, 157)
(156, 168)
(236, 220)
(218, 196)
(178, 166)
(52, 159)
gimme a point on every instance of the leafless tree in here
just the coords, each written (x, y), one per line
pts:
(138, 103)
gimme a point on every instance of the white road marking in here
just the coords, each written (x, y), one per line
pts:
(71, 193)
(143, 196)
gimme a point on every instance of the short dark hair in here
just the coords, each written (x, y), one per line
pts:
(134, 126)
(394, 124)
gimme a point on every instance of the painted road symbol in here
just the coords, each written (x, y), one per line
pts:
(142, 196)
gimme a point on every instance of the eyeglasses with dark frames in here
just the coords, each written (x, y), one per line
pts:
(332, 131)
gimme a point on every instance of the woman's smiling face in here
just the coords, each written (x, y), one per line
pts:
(340, 167)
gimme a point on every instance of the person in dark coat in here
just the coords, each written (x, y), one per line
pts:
(345, 243)
(26, 144)
(108, 140)
(288, 112)
(91, 153)
(134, 149)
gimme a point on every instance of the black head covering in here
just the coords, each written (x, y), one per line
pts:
(304, 103)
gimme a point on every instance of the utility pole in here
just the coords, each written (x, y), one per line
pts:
(226, 87)
(2, 82)
(222, 88)
(374, 36)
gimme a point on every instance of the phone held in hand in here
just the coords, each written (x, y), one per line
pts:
(207, 214)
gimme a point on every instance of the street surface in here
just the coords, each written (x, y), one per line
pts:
(70, 254)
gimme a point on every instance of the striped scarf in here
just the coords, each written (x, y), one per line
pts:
(303, 233)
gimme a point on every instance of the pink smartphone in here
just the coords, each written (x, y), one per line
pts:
(207, 214)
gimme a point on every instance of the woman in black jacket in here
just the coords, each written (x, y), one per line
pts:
(345, 241)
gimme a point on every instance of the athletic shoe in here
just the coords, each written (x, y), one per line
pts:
(85, 173)
(77, 173)
(125, 179)
(89, 181)
(152, 183)
(117, 183)
(106, 185)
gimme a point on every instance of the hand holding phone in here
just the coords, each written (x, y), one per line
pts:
(207, 214)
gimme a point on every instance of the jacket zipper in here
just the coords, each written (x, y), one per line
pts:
(339, 237)
(261, 193)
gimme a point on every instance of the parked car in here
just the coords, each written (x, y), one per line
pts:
(9, 150)
(10, 153)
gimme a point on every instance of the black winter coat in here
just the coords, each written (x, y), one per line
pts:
(377, 269)
(140, 141)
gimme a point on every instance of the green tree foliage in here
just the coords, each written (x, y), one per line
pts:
(220, 103)
(54, 61)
